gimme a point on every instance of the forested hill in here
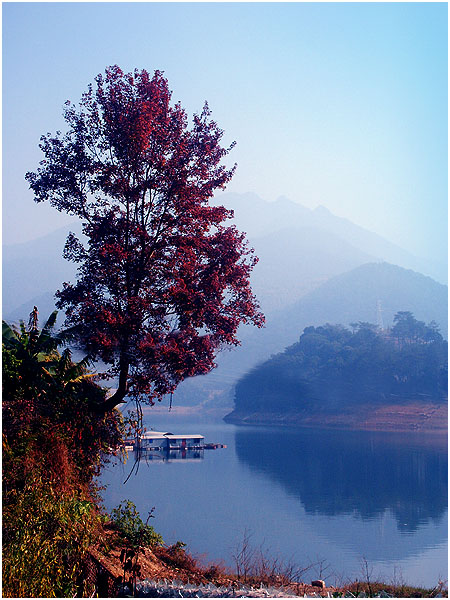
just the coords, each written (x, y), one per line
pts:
(333, 368)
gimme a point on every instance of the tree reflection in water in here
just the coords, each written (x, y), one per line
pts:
(364, 473)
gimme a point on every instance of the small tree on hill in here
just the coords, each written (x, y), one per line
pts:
(163, 283)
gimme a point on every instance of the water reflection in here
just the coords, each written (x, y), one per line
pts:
(169, 455)
(362, 473)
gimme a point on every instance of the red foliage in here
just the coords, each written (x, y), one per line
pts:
(163, 283)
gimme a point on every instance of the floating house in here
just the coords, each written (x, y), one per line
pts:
(159, 440)
(152, 440)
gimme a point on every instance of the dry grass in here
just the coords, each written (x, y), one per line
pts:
(255, 567)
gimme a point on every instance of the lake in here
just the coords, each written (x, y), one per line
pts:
(306, 496)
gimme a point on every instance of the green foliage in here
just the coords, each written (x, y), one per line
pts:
(131, 528)
(54, 442)
(46, 535)
(331, 367)
(44, 391)
(135, 535)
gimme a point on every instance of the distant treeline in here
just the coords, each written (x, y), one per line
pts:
(332, 366)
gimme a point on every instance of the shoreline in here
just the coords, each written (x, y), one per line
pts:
(172, 571)
(413, 417)
(392, 418)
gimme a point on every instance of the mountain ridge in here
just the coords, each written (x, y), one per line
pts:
(33, 268)
(285, 211)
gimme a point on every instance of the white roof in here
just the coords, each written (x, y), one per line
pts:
(183, 436)
(153, 435)
(157, 435)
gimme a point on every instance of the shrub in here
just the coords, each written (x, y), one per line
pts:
(176, 556)
(132, 529)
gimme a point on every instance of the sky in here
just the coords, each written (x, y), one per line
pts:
(335, 104)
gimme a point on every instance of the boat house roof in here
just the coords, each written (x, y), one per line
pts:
(157, 435)
(183, 436)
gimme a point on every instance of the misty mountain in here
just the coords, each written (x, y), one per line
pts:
(365, 293)
(259, 218)
(45, 303)
(33, 271)
(282, 244)
(313, 268)
(294, 261)
(354, 296)
(37, 268)
(299, 249)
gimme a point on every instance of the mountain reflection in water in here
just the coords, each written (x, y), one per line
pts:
(362, 473)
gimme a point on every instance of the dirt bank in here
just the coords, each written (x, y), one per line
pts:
(172, 568)
(394, 417)
(173, 564)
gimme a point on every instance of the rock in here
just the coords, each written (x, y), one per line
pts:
(319, 583)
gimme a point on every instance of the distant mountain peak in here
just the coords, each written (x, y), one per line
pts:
(283, 200)
(322, 210)
(287, 206)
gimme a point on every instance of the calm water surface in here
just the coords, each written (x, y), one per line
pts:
(305, 495)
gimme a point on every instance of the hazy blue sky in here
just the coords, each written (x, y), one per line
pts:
(340, 104)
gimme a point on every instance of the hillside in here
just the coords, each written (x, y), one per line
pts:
(295, 261)
(332, 371)
(351, 296)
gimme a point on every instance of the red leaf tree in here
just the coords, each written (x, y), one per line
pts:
(163, 282)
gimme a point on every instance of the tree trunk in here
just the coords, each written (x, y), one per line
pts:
(119, 395)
